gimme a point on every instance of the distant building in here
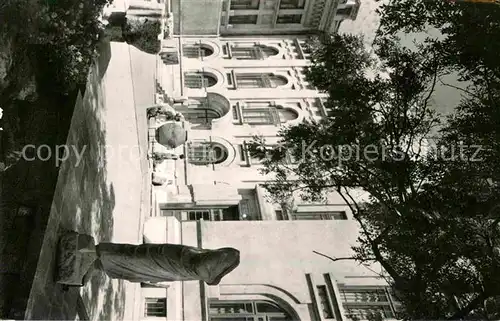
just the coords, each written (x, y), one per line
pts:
(260, 17)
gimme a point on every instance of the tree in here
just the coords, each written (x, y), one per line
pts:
(431, 222)
(56, 40)
(470, 33)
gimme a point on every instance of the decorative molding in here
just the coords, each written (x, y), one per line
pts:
(299, 311)
(317, 13)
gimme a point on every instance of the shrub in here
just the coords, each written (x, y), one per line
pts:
(61, 34)
(143, 34)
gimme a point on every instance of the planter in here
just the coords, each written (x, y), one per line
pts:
(143, 33)
(76, 254)
(114, 33)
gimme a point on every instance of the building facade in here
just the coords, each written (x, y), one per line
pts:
(234, 88)
(248, 78)
(229, 89)
(260, 17)
(279, 278)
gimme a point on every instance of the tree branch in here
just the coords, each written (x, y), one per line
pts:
(474, 304)
(433, 86)
(350, 258)
(400, 282)
(458, 88)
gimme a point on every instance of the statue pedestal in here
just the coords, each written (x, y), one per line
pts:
(76, 254)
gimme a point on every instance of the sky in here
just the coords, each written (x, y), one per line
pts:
(367, 22)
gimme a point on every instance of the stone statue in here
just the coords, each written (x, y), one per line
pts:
(146, 263)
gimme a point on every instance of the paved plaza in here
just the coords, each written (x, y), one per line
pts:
(103, 187)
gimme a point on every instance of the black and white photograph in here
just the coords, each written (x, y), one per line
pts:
(250, 160)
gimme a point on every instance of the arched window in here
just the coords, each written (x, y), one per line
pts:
(260, 80)
(200, 115)
(268, 51)
(198, 80)
(246, 311)
(253, 52)
(286, 114)
(206, 153)
(197, 50)
(262, 114)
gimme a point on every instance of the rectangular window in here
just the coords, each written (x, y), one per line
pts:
(313, 216)
(325, 302)
(245, 4)
(259, 116)
(243, 20)
(246, 311)
(244, 207)
(193, 51)
(364, 296)
(229, 78)
(246, 53)
(223, 21)
(155, 307)
(292, 4)
(199, 215)
(368, 312)
(235, 112)
(243, 154)
(199, 153)
(289, 19)
(222, 308)
(248, 80)
(366, 303)
(344, 11)
(198, 80)
(192, 80)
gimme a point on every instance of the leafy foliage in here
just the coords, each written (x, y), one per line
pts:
(470, 32)
(143, 34)
(432, 216)
(65, 32)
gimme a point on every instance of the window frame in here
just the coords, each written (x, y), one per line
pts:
(212, 215)
(320, 216)
(254, 52)
(389, 306)
(325, 302)
(260, 80)
(206, 153)
(346, 12)
(254, 315)
(289, 19)
(244, 5)
(247, 159)
(163, 309)
(193, 47)
(201, 83)
(287, 4)
(243, 19)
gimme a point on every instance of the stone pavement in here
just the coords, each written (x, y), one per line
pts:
(103, 190)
